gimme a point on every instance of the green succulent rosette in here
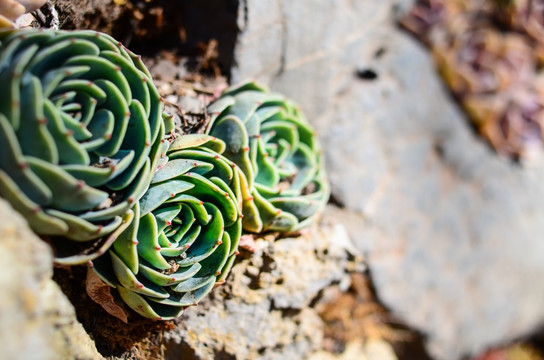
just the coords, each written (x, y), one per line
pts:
(269, 139)
(185, 235)
(80, 126)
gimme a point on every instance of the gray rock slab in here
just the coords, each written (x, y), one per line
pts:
(452, 232)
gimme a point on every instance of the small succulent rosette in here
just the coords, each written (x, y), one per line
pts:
(185, 235)
(269, 139)
(80, 126)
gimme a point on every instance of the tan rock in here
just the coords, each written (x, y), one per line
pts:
(372, 349)
(32, 5)
(10, 10)
(37, 322)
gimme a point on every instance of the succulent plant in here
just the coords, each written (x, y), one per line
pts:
(268, 138)
(186, 233)
(80, 129)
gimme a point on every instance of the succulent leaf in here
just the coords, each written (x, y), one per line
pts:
(80, 129)
(185, 234)
(273, 145)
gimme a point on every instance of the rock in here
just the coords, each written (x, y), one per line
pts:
(266, 309)
(164, 70)
(36, 320)
(190, 104)
(373, 349)
(451, 231)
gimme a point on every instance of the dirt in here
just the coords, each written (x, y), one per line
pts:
(357, 314)
(90, 14)
(138, 339)
(186, 87)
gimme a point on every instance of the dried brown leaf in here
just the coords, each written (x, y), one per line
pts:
(100, 293)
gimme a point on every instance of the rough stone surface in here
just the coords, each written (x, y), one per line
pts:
(452, 233)
(36, 320)
(264, 311)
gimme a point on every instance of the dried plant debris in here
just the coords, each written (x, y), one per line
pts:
(185, 88)
(149, 26)
(490, 54)
(356, 314)
(99, 15)
(512, 352)
(139, 339)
